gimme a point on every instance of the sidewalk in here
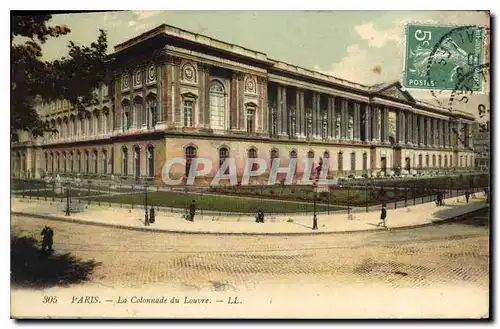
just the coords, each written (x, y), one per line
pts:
(412, 216)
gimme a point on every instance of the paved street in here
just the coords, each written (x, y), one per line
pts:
(409, 273)
(446, 253)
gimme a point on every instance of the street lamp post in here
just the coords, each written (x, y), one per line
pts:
(315, 217)
(146, 220)
(68, 200)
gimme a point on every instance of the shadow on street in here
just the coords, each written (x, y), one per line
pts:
(33, 268)
(478, 218)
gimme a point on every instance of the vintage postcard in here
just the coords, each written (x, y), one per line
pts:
(250, 164)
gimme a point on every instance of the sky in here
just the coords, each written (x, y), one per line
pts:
(361, 46)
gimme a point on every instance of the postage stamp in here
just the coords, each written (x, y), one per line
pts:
(439, 57)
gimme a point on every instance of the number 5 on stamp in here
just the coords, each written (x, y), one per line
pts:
(443, 57)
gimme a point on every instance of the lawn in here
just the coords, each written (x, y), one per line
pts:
(212, 202)
(17, 184)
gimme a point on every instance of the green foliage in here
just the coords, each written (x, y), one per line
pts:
(72, 78)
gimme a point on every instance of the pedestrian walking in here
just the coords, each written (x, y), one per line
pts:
(152, 215)
(383, 216)
(315, 222)
(192, 211)
(467, 196)
(260, 216)
(48, 238)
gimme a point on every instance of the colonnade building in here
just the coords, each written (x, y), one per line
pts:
(177, 94)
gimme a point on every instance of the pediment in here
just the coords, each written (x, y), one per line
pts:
(395, 91)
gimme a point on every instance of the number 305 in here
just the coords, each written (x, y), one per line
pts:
(49, 300)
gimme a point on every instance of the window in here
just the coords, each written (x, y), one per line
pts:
(71, 162)
(439, 161)
(65, 159)
(151, 110)
(293, 154)
(140, 115)
(353, 161)
(223, 155)
(137, 161)
(340, 161)
(79, 159)
(52, 162)
(87, 162)
(365, 161)
(433, 160)
(446, 161)
(46, 162)
(96, 164)
(252, 154)
(309, 125)
(104, 162)
(151, 161)
(127, 117)
(188, 113)
(250, 121)
(420, 160)
(57, 161)
(324, 131)
(427, 160)
(217, 105)
(383, 164)
(190, 155)
(407, 164)
(124, 161)
(274, 155)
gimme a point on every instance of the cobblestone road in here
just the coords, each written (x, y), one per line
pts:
(453, 253)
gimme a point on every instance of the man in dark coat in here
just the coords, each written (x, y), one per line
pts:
(192, 211)
(467, 196)
(260, 216)
(383, 216)
(47, 241)
(152, 214)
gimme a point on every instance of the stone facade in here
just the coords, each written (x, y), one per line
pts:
(178, 94)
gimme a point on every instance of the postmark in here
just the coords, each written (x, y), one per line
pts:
(437, 56)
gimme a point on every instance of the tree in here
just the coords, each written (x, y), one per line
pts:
(73, 77)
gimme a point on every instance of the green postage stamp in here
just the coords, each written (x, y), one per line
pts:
(443, 57)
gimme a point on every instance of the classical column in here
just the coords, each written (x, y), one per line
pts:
(429, 131)
(330, 118)
(446, 141)
(386, 124)
(422, 130)
(368, 122)
(233, 101)
(357, 121)
(409, 128)
(284, 115)
(302, 113)
(298, 121)
(398, 125)
(415, 129)
(319, 120)
(206, 96)
(278, 109)
(375, 115)
(344, 121)
(177, 92)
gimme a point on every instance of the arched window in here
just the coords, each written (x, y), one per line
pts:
(223, 155)
(151, 110)
(79, 161)
(293, 154)
(139, 115)
(445, 160)
(96, 163)
(427, 160)
(190, 155)
(439, 160)
(104, 162)
(310, 155)
(353, 161)
(51, 162)
(127, 116)
(137, 161)
(58, 162)
(340, 162)
(124, 161)
(151, 161)
(252, 154)
(420, 163)
(71, 162)
(87, 162)
(365, 161)
(46, 162)
(434, 161)
(65, 163)
(275, 154)
(217, 105)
